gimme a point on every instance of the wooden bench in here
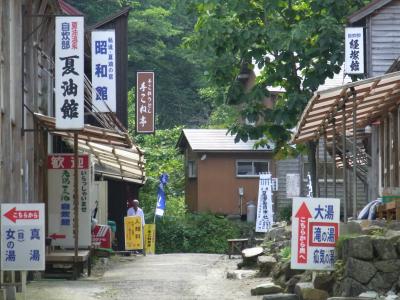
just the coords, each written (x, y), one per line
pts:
(66, 257)
(235, 246)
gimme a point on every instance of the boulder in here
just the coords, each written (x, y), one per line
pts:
(277, 234)
(384, 248)
(306, 291)
(250, 255)
(361, 271)
(350, 228)
(358, 247)
(388, 266)
(324, 281)
(382, 282)
(369, 294)
(349, 288)
(291, 283)
(265, 264)
(265, 289)
(281, 296)
(240, 274)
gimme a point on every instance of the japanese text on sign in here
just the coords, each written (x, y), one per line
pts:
(145, 102)
(22, 234)
(133, 233)
(61, 185)
(315, 230)
(264, 205)
(354, 51)
(69, 74)
(104, 70)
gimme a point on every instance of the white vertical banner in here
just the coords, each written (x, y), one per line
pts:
(264, 206)
(103, 70)
(69, 72)
(292, 185)
(354, 50)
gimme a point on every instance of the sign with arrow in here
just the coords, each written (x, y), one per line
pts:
(22, 237)
(315, 230)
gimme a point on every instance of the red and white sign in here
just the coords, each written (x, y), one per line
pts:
(101, 236)
(315, 230)
(22, 237)
(61, 199)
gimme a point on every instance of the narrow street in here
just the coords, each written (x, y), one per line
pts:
(169, 276)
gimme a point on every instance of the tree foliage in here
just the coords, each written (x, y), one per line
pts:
(296, 44)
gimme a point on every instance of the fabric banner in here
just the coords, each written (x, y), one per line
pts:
(161, 199)
(264, 206)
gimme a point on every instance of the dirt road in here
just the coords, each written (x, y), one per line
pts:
(169, 276)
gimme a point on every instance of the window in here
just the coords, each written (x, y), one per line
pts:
(192, 169)
(251, 168)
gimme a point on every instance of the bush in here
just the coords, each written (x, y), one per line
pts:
(196, 233)
(285, 214)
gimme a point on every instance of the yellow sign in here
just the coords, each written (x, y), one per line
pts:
(150, 238)
(133, 233)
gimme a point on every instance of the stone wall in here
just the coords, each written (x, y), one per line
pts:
(368, 263)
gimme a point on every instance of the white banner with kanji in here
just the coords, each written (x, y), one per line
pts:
(264, 205)
(69, 72)
(315, 231)
(103, 70)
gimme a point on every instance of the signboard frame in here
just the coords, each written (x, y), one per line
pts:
(315, 231)
(139, 100)
(20, 221)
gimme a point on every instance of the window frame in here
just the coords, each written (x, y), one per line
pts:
(253, 175)
(191, 169)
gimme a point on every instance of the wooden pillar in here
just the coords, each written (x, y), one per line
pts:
(325, 167)
(317, 192)
(354, 155)
(76, 201)
(334, 156)
(344, 159)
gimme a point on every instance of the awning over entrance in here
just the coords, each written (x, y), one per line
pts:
(115, 162)
(88, 133)
(368, 99)
(113, 152)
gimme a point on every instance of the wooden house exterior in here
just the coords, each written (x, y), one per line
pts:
(363, 117)
(216, 168)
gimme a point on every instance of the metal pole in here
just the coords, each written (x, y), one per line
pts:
(76, 200)
(354, 154)
(334, 157)
(325, 167)
(344, 159)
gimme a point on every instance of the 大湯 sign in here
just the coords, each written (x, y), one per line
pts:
(315, 230)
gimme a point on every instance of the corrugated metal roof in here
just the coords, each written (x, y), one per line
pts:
(218, 140)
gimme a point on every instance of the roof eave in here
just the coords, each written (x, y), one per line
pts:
(367, 10)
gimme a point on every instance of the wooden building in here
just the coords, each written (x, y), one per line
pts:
(218, 170)
(27, 126)
(360, 121)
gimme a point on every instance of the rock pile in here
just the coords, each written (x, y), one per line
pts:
(368, 263)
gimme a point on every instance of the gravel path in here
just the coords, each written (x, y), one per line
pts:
(168, 276)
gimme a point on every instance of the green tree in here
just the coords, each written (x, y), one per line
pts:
(296, 44)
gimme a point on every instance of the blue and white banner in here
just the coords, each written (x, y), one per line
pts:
(161, 199)
(103, 70)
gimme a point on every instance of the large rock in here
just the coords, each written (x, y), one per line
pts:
(388, 266)
(324, 281)
(360, 270)
(382, 282)
(266, 289)
(281, 296)
(240, 274)
(384, 248)
(278, 234)
(291, 283)
(369, 294)
(283, 268)
(250, 255)
(266, 264)
(350, 228)
(306, 291)
(349, 288)
(358, 247)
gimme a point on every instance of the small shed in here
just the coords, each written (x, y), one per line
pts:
(221, 176)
